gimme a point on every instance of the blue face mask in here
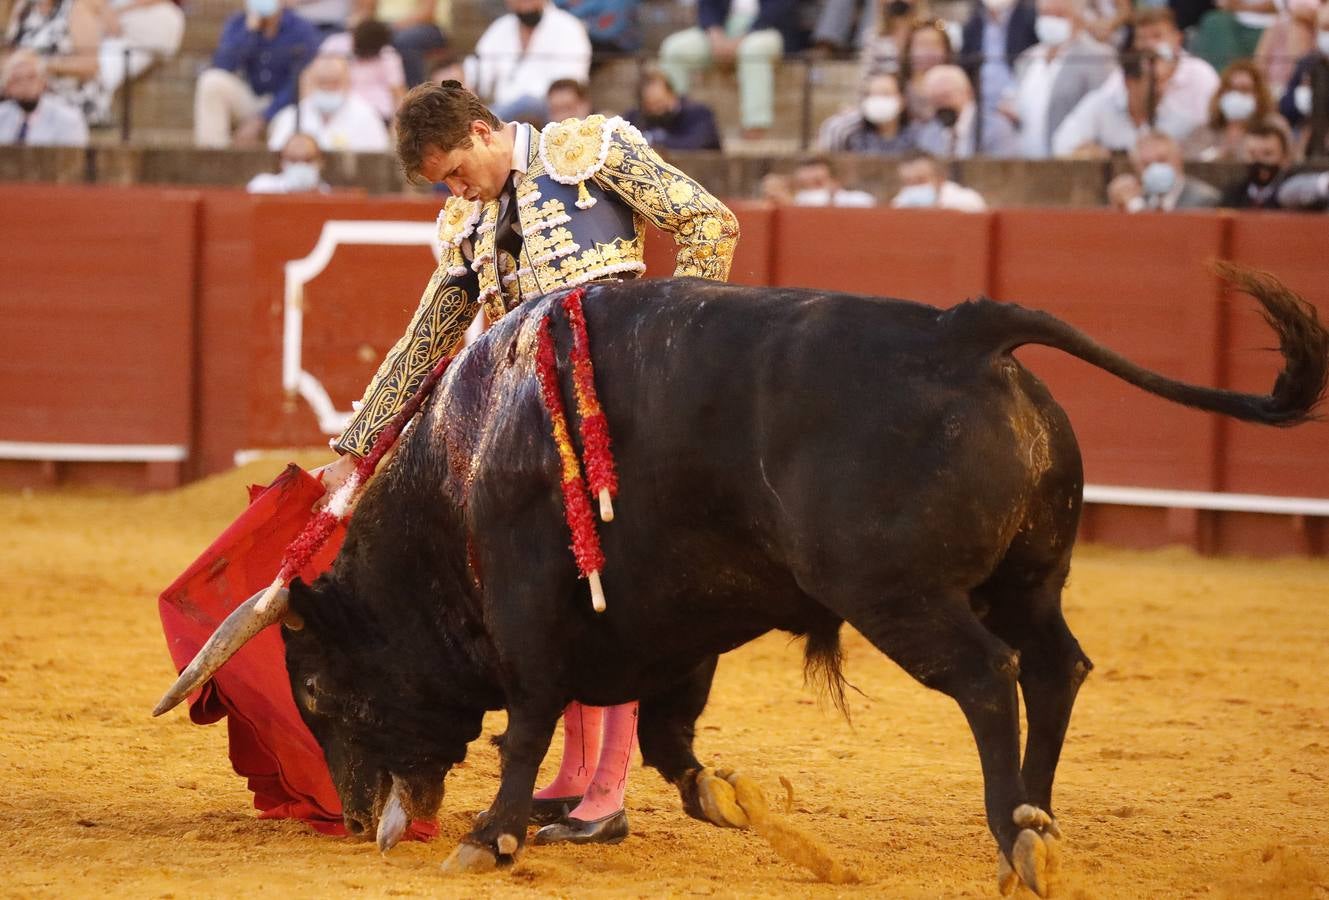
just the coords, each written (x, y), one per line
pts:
(1158, 178)
(916, 195)
(262, 8)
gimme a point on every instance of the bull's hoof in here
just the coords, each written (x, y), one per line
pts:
(611, 829)
(718, 802)
(1035, 855)
(470, 858)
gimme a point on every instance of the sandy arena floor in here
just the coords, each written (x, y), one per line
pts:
(1197, 763)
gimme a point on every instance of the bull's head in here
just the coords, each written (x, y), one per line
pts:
(374, 691)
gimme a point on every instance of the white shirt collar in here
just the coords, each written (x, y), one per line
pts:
(521, 148)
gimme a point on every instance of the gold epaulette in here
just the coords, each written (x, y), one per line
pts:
(573, 150)
(456, 222)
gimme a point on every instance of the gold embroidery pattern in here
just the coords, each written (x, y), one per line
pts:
(445, 311)
(574, 149)
(456, 222)
(704, 228)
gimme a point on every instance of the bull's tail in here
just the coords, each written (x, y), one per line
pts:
(1302, 340)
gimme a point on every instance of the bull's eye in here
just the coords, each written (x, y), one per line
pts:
(311, 684)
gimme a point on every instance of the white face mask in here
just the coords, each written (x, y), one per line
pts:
(1236, 106)
(262, 8)
(1158, 178)
(1053, 30)
(998, 5)
(880, 108)
(327, 102)
(813, 197)
(916, 195)
(1301, 99)
(300, 176)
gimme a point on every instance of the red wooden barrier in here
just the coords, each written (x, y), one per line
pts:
(98, 321)
(171, 304)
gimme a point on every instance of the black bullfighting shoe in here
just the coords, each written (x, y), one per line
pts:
(609, 830)
(546, 811)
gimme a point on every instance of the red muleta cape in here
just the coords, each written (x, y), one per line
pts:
(269, 742)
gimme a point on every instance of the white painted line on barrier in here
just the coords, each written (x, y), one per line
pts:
(40, 450)
(1256, 503)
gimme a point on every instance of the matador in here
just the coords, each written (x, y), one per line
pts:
(531, 211)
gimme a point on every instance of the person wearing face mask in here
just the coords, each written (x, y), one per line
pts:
(1158, 182)
(878, 124)
(994, 36)
(337, 119)
(299, 170)
(1109, 119)
(1268, 155)
(952, 130)
(253, 75)
(1242, 99)
(1055, 74)
(1306, 99)
(1184, 84)
(671, 122)
(923, 185)
(32, 116)
(816, 184)
(1290, 38)
(522, 53)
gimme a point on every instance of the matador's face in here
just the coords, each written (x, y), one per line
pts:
(477, 172)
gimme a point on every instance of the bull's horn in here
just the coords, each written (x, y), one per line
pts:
(247, 620)
(392, 821)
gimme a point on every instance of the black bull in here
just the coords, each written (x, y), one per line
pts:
(789, 459)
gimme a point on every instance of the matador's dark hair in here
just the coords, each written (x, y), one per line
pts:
(437, 115)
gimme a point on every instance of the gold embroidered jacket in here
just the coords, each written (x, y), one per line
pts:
(590, 187)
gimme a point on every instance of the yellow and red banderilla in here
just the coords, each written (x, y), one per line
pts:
(600, 469)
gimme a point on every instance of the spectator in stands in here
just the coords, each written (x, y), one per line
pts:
(1111, 118)
(66, 34)
(1307, 94)
(996, 33)
(417, 31)
(1158, 182)
(136, 34)
(1054, 75)
(253, 75)
(522, 53)
(728, 32)
(29, 114)
(777, 189)
(1242, 98)
(377, 75)
(1291, 37)
(671, 122)
(1106, 21)
(449, 68)
(884, 42)
(1231, 30)
(568, 98)
(299, 170)
(1185, 83)
(610, 24)
(952, 131)
(929, 45)
(1305, 191)
(336, 118)
(328, 16)
(1268, 156)
(924, 185)
(816, 183)
(878, 124)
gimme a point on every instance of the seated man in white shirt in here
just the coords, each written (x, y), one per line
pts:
(924, 185)
(524, 52)
(1187, 82)
(300, 165)
(31, 115)
(1110, 118)
(1055, 74)
(337, 119)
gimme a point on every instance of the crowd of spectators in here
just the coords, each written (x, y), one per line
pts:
(939, 80)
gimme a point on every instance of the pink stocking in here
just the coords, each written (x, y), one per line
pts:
(581, 752)
(604, 795)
